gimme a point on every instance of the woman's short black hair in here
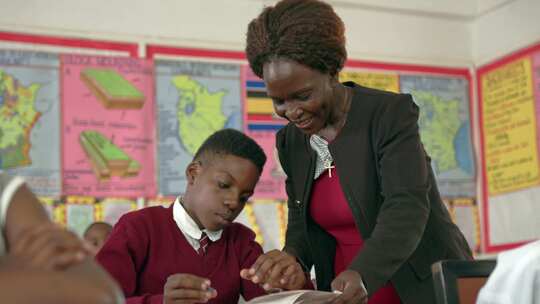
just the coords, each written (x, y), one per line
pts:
(232, 142)
(308, 32)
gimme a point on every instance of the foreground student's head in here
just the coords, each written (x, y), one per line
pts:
(221, 178)
(96, 234)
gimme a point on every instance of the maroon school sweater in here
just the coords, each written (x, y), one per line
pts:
(146, 246)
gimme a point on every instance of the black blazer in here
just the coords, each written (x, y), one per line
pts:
(387, 180)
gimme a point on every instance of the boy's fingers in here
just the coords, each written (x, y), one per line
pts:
(262, 259)
(263, 273)
(187, 281)
(292, 270)
(245, 274)
(188, 294)
(278, 270)
(294, 277)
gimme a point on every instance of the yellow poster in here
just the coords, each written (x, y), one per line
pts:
(380, 81)
(509, 127)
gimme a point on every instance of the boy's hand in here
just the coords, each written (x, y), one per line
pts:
(351, 286)
(276, 269)
(49, 247)
(183, 288)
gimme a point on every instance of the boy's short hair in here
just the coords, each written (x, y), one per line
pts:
(232, 142)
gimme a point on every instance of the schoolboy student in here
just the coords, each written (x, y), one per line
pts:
(96, 234)
(192, 252)
(41, 262)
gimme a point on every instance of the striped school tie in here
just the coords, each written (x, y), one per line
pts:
(203, 243)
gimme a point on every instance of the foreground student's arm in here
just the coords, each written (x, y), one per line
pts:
(30, 286)
(41, 249)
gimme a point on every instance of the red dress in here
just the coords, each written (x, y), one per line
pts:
(329, 209)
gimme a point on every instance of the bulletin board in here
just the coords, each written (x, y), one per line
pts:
(106, 128)
(508, 102)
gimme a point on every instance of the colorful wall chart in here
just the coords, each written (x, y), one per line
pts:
(194, 100)
(443, 96)
(509, 97)
(272, 181)
(108, 126)
(30, 119)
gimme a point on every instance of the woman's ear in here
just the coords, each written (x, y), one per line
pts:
(192, 171)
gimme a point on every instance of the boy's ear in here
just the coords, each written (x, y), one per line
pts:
(192, 171)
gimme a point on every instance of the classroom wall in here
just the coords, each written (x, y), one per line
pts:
(374, 31)
(458, 32)
(509, 26)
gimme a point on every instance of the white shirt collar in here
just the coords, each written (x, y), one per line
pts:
(188, 226)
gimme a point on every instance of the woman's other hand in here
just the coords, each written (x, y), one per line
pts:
(352, 289)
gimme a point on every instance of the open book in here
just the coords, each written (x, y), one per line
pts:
(296, 297)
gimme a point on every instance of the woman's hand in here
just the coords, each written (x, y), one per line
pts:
(183, 288)
(48, 247)
(276, 269)
(352, 289)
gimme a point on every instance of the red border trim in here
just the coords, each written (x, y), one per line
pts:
(408, 68)
(507, 58)
(152, 50)
(480, 72)
(131, 48)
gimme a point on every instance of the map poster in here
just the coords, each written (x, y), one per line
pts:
(375, 80)
(108, 126)
(30, 119)
(272, 181)
(509, 126)
(194, 100)
(445, 130)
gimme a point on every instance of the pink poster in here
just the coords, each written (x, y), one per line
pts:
(108, 126)
(272, 182)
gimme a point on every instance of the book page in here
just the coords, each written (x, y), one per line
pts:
(296, 297)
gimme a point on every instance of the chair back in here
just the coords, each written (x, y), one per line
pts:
(458, 281)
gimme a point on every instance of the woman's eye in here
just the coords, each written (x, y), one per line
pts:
(304, 97)
(277, 102)
(223, 185)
